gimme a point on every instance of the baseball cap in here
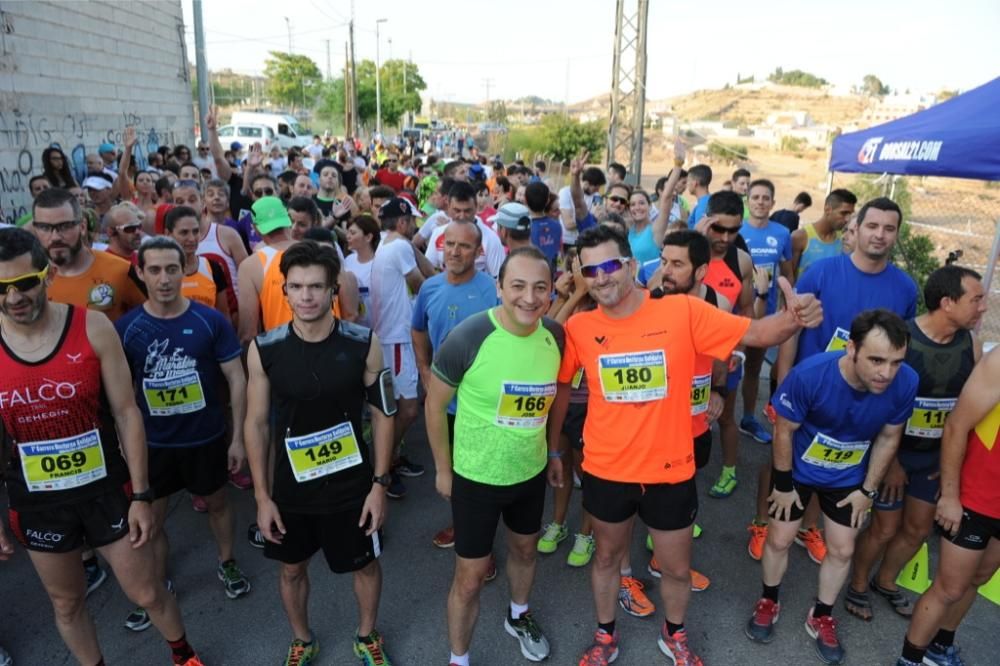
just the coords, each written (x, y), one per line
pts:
(514, 216)
(236, 145)
(96, 183)
(395, 207)
(269, 214)
(106, 148)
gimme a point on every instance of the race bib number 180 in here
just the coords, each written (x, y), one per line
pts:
(634, 377)
(60, 464)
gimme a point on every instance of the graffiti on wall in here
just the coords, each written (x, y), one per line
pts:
(25, 134)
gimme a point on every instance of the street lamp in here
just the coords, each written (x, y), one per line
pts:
(378, 84)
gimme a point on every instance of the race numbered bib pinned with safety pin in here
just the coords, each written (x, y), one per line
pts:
(633, 377)
(838, 341)
(323, 453)
(524, 405)
(180, 394)
(701, 387)
(929, 415)
(831, 453)
(61, 464)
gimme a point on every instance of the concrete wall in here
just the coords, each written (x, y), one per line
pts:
(74, 74)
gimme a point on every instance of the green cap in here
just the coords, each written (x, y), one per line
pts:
(269, 214)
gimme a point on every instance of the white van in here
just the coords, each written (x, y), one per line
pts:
(287, 130)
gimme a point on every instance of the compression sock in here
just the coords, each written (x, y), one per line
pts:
(181, 649)
(944, 638)
(672, 628)
(608, 627)
(822, 609)
(771, 592)
(913, 653)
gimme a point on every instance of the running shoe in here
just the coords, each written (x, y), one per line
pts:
(577, 483)
(770, 414)
(5, 658)
(677, 649)
(725, 486)
(241, 480)
(938, 655)
(534, 645)
(233, 580)
(301, 653)
(445, 538)
(699, 581)
(255, 536)
(199, 504)
(758, 536)
(396, 490)
(554, 535)
(812, 540)
(649, 542)
(95, 575)
(824, 630)
(138, 620)
(193, 660)
(753, 428)
(632, 599)
(371, 652)
(583, 550)
(907, 662)
(602, 651)
(696, 532)
(491, 573)
(760, 628)
(406, 467)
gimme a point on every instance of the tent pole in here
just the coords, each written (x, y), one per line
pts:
(829, 182)
(992, 261)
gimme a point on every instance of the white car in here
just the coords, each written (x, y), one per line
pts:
(247, 135)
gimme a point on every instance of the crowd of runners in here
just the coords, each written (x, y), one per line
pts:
(278, 322)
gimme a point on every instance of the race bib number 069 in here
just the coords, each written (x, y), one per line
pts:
(61, 464)
(634, 377)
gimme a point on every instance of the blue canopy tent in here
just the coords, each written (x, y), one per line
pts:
(958, 138)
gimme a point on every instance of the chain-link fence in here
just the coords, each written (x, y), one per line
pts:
(959, 217)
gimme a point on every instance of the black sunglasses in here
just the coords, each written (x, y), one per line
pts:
(620, 200)
(264, 192)
(719, 229)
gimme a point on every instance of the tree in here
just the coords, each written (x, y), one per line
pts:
(292, 80)
(497, 112)
(564, 137)
(871, 85)
(395, 103)
(796, 77)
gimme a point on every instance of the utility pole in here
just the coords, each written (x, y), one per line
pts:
(347, 90)
(409, 63)
(378, 77)
(352, 75)
(201, 67)
(288, 25)
(628, 88)
(328, 77)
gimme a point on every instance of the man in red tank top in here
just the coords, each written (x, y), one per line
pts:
(969, 513)
(62, 376)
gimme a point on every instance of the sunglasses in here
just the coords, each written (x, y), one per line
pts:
(23, 283)
(264, 192)
(719, 229)
(607, 267)
(57, 228)
(129, 228)
(619, 200)
(187, 182)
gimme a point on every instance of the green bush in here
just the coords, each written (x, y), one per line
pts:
(793, 144)
(732, 152)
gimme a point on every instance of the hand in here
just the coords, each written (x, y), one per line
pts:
(599, 210)
(578, 163)
(655, 280)
(255, 155)
(212, 119)
(807, 309)
(891, 490)
(442, 483)
(716, 403)
(761, 280)
(860, 503)
(563, 284)
(140, 523)
(554, 472)
(680, 152)
(702, 226)
(128, 136)
(579, 282)
(949, 514)
(736, 360)
(6, 545)
(269, 521)
(342, 207)
(237, 456)
(782, 503)
(373, 511)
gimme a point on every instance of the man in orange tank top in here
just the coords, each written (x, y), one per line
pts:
(204, 279)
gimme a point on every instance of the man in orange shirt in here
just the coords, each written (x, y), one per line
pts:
(639, 354)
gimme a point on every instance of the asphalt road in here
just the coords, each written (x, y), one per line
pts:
(253, 630)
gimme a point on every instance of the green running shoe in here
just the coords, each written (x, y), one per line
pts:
(554, 535)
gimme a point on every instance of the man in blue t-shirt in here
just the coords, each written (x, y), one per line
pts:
(546, 232)
(699, 178)
(178, 350)
(442, 303)
(770, 246)
(848, 284)
(840, 417)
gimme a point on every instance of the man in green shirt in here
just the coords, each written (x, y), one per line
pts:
(502, 364)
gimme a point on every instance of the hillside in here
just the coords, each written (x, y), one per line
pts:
(748, 106)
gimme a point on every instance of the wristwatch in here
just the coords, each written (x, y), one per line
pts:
(383, 480)
(870, 494)
(145, 496)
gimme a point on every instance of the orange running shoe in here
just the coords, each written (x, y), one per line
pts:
(632, 599)
(812, 540)
(770, 414)
(699, 581)
(758, 535)
(445, 538)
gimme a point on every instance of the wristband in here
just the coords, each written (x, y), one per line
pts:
(740, 355)
(760, 295)
(782, 480)
(555, 455)
(721, 390)
(145, 496)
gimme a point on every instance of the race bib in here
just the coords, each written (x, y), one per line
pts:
(180, 394)
(61, 464)
(928, 417)
(634, 377)
(577, 379)
(838, 342)
(770, 274)
(701, 388)
(524, 405)
(322, 453)
(833, 454)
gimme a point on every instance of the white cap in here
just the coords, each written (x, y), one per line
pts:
(96, 183)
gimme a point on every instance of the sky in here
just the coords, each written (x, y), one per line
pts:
(562, 49)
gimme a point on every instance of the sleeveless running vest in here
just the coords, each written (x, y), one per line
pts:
(60, 439)
(210, 247)
(725, 277)
(817, 249)
(200, 285)
(317, 401)
(979, 489)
